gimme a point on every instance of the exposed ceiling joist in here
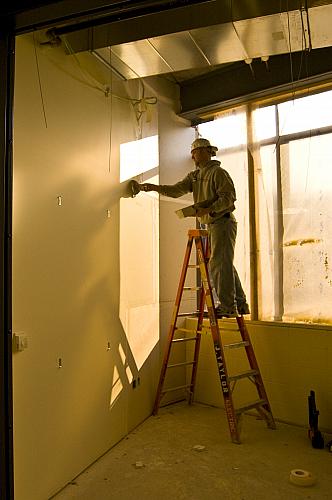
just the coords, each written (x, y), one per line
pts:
(234, 85)
(205, 49)
(172, 17)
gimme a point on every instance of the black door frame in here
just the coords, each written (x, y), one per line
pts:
(7, 56)
(23, 16)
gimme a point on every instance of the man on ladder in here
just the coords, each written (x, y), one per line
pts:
(214, 198)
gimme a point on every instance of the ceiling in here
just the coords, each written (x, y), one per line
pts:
(194, 52)
(215, 50)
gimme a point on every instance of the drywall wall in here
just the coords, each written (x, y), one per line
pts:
(85, 265)
(293, 359)
(175, 164)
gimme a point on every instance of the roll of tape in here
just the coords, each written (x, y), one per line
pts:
(301, 477)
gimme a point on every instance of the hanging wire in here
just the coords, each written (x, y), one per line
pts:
(110, 107)
(140, 106)
(291, 66)
(290, 51)
(306, 10)
(86, 76)
(304, 57)
(39, 79)
(304, 54)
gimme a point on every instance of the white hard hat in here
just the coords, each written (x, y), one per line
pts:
(203, 143)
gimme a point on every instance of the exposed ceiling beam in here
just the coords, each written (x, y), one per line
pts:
(235, 84)
(178, 18)
(120, 21)
(73, 15)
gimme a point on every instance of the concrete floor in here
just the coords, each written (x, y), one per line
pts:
(159, 461)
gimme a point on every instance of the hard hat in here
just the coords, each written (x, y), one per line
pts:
(203, 143)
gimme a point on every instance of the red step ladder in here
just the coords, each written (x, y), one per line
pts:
(261, 404)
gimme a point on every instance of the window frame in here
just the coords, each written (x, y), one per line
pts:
(278, 141)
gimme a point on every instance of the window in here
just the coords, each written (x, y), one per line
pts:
(307, 243)
(292, 156)
(305, 113)
(294, 199)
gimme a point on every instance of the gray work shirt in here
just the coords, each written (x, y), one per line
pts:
(210, 182)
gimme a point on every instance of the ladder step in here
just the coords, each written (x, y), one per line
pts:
(185, 339)
(231, 328)
(246, 374)
(187, 330)
(176, 388)
(249, 406)
(192, 288)
(205, 316)
(236, 345)
(193, 266)
(193, 313)
(185, 363)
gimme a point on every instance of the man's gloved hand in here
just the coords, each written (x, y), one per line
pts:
(202, 207)
(135, 188)
(202, 211)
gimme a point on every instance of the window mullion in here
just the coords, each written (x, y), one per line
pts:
(278, 261)
(252, 219)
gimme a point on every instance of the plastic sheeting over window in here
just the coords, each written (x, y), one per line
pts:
(292, 155)
(307, 242)
(305, 113)
(294, 199)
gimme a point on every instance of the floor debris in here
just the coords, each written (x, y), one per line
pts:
(139, 465)
(198, 447)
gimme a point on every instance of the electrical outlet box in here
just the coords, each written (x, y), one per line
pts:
(136, 382)
(20, 342)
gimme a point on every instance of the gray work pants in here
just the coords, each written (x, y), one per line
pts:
(222, 236)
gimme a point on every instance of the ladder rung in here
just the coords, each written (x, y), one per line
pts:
(196, 233)
(194, 266)
(228, 328)
(223, 328)
(176, 388)
(187, 314)
(185, 339)
(192, 288)
(246, 374)
(196, 314)
(185, 363)
(235, 345)
(248, 406)
(188, 330)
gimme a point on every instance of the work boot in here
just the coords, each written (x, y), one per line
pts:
(222, 313)
(243, 309)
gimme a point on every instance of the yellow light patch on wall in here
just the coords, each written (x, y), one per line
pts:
(117, 387)
(139, 156)
(139, 253)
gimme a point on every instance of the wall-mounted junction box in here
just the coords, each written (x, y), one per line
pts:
(20, 342)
